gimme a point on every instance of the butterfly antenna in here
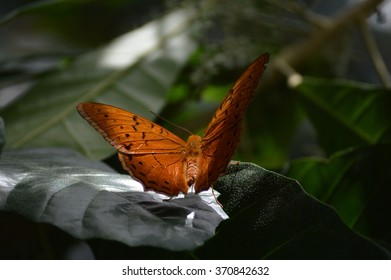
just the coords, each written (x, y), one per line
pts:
(174, 124)
(218, 202)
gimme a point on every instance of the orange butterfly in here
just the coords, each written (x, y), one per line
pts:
(162, 161)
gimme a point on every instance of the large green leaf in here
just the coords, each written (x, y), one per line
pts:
(135, 72)
(88, 200)
(357, 183)
(347, 113)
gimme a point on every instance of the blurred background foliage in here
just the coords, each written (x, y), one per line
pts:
(322, 107)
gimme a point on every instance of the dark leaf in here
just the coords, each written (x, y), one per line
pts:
(271, 217)
(356, 182)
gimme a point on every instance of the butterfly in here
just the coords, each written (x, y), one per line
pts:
(162, 161)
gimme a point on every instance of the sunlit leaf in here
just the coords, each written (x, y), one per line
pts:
(88, 200)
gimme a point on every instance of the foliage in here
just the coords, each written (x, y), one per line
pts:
(330, 133)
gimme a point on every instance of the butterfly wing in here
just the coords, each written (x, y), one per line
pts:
(223, 132)
(150, 153)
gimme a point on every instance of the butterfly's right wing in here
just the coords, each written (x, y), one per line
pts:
(223, 132)
(150, 153)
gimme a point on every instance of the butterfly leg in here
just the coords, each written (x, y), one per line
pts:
(218, 202)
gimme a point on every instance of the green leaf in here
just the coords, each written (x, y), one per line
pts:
(356, 182)
(134, 72)
(87, 200)
(347, 113)
(271, 217)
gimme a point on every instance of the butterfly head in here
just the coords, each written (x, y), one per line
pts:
(193, 146)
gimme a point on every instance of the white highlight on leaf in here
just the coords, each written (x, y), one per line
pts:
(189, 219)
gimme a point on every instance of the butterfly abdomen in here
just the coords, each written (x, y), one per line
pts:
(191, 171)
(192, 151)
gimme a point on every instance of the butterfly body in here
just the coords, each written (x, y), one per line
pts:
(193, 152)
(162, 161)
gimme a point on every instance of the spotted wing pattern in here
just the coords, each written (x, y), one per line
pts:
(150, 153)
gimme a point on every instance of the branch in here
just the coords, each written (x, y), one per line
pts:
(298, 8)
(297, 54)
(374, 52)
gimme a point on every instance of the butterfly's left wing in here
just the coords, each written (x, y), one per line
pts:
(223, 132)
(150, 153)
